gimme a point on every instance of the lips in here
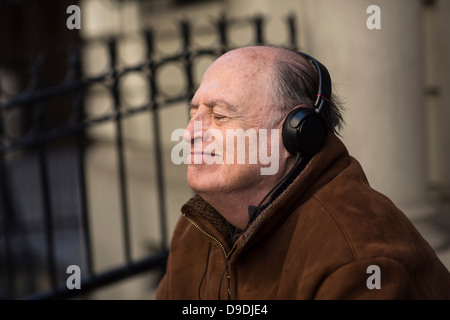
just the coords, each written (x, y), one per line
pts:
(200, 157)
(203, 153)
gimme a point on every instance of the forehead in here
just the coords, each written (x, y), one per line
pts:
(237, 77)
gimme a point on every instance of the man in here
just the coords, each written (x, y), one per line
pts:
(312, 229)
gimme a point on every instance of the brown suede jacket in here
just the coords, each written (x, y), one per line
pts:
(329, 235)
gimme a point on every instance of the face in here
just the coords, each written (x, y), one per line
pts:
(232, 98)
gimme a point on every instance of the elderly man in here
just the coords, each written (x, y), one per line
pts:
(311, 229)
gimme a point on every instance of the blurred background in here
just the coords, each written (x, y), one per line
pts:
(86, 116)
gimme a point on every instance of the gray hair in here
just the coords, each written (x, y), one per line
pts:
(295, 82)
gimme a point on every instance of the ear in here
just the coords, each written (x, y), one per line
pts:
(285, 155)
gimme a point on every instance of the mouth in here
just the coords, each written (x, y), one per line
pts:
(199, 153)
(200, 157)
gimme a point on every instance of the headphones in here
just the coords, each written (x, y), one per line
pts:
(304, 130)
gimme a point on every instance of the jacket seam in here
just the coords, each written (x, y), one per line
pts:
(374, 258)
(347, 239)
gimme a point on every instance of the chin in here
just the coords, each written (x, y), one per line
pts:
(201, 187)
(201, 181)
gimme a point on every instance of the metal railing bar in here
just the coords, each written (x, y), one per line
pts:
(120, 153)
(161, 192)
(28, 97)
(77, 99)
(87, 243)
(292, 31)
(187, 57)
(221, 26)
(259, 32)
(92, 282)
(41, 150)
(48, 214)
(6, 215)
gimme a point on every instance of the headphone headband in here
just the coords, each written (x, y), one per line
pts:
(323, 98)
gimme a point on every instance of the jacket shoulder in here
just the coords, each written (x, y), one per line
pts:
(371, 223)
(377, 231)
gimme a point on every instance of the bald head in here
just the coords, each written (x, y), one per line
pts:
(278, 79)
(261, 71)
(262, 54)
(244, 77)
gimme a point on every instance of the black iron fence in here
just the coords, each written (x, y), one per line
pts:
(43, 190)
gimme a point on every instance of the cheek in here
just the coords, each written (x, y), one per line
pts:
(241, 147)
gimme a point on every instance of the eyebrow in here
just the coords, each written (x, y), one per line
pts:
(212, 103)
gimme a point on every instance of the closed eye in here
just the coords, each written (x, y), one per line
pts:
(218, 116)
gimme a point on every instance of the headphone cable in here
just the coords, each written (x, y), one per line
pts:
(255, 210)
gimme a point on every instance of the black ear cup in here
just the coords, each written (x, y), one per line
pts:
(304, 131)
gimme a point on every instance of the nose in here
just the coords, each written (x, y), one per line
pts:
(188, 134)
(194, 130)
